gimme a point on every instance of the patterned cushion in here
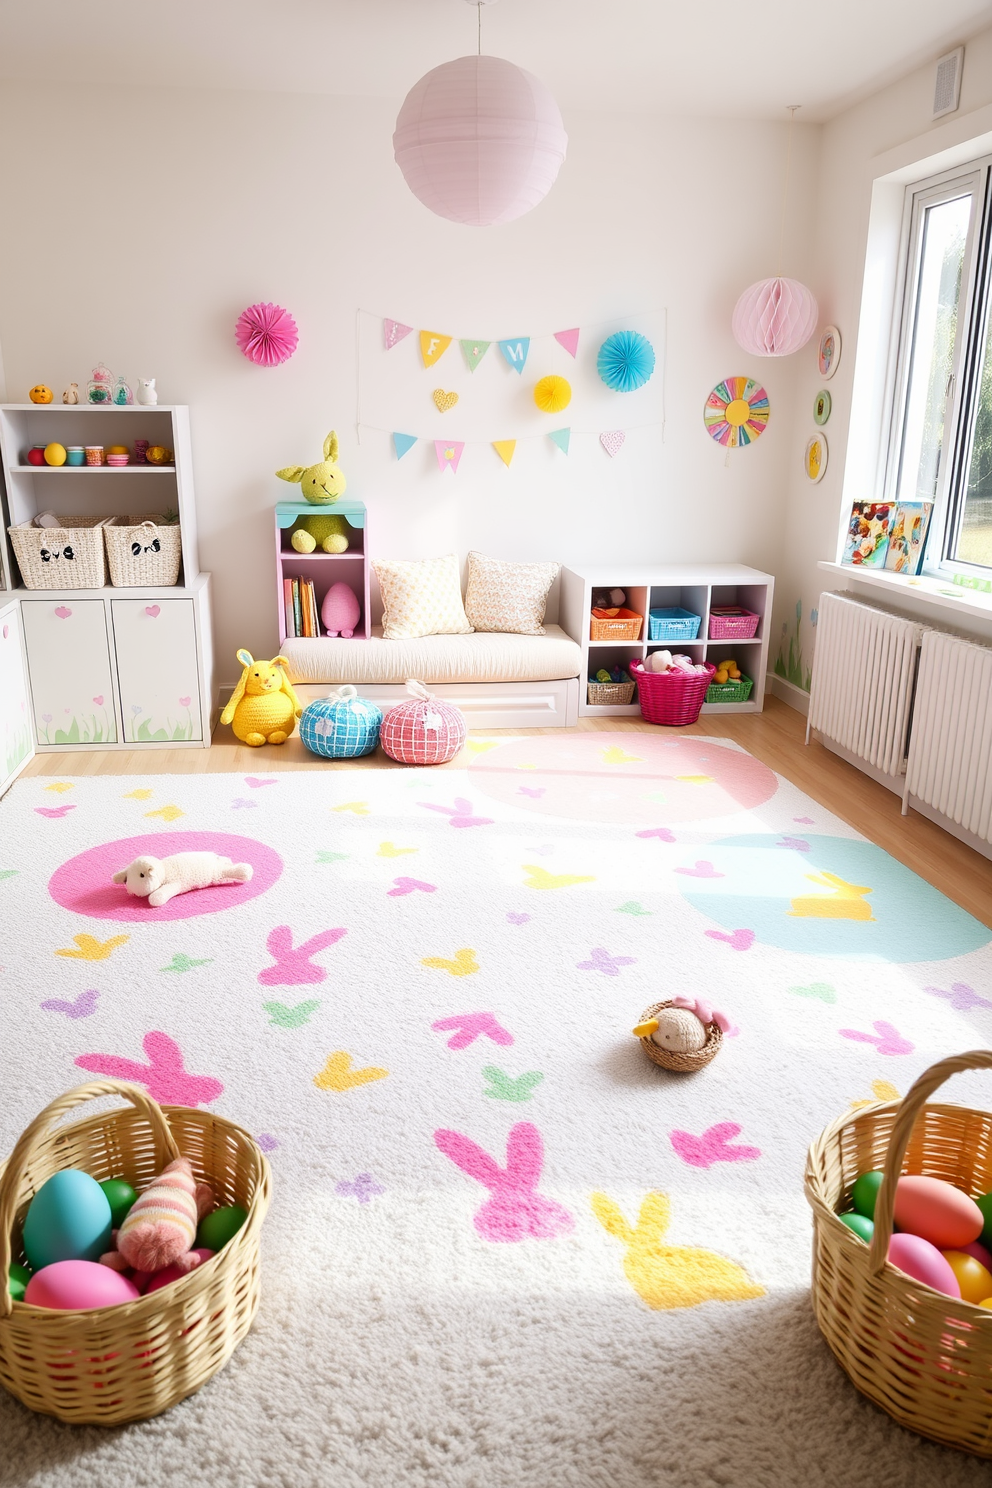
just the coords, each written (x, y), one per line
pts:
(341, 726)
(421, 599)
(508, 596)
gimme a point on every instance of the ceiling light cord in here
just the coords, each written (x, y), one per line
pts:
(792, 107)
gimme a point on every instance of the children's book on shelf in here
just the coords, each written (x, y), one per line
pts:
(868, 533)
(300, 605)
(908, 536)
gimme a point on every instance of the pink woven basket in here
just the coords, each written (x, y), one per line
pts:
(732, 623)
(424, 731)
(672, 698)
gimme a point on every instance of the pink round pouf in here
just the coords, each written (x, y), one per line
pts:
(425, 731)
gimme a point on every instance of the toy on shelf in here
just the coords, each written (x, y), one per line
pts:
(340, 610)
(727, 671)
(55, 454)
(666, 661)
(71, 394)
(606, 599)
(147, 393)
(40, 393)
(263, 707)
(424, 731)
(321, 483)
(100, 388)
(341, 726)
(682, 1034)
(157, 454)
(160, 879)
(329, 533)
(123, 395)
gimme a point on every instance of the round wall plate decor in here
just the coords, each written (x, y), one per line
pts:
(815, 458)
(736, 412)
(822, 405)
(828, 352)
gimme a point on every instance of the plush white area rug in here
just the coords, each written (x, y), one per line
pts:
(421, 1006)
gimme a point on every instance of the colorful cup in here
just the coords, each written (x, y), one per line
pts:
(36, 454)
(75, 454)
(94, 454)
(117, 460)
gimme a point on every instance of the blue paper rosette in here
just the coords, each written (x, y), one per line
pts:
(625, 361)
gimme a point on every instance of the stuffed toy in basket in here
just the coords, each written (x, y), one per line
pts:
(109, 1365)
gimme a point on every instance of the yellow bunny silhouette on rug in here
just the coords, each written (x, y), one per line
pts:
(845, 904)
(668, 1276)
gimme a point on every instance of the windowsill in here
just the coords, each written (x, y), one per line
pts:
(939, 593)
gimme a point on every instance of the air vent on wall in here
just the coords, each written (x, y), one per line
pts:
(947, 83)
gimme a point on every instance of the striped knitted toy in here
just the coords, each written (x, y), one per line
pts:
(160, 1227)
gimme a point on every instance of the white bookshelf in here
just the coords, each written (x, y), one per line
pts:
(691, 586)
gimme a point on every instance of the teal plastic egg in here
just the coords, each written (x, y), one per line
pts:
(862, 1226)
(67, 1220)
(865, 1192)
(19, 1278)
(220, 1226)
(120, 1197)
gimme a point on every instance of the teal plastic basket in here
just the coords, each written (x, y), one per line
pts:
(673, 624)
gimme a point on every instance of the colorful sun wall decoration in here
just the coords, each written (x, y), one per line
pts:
(736, 412)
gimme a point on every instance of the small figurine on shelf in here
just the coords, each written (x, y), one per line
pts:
(608, 599)
(40, 393)
(340, 610)
(123, 395)
(147, 393)
(101, 385)
(157, 454)
(71, 394)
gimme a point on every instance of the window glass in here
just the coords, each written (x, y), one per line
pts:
(975, 534)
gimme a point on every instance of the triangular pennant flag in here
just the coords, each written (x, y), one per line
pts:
(474, 352)
(448, 452)
(515, 351)
(568, 339)
(504, 448)
(402, 443)
(612, 441)
(433, 347)
(560, 437)
(393, 332)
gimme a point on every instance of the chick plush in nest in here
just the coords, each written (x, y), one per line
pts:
(674, 1029)
(682, 1034)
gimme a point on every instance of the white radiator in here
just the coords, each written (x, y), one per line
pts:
(950, 751)
(862, 685)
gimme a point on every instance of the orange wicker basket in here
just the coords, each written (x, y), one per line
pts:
(924, 1357)
(108, 1365)
(615, 625)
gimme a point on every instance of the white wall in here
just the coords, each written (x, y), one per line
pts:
(138, 224)
(872, 140)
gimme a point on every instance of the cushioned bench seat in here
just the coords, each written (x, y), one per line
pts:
(499, 681)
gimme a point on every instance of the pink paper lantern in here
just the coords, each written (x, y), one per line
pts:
(479, 141)
(267, 334)
(775, 317)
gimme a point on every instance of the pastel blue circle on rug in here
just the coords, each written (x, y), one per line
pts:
(827, 896)
(625, 361)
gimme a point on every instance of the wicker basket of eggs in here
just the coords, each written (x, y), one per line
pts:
(682, 1034)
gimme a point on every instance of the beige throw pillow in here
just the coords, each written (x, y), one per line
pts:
(421, 599)
(508, 596)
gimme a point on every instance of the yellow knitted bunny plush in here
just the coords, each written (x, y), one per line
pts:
(263, 707)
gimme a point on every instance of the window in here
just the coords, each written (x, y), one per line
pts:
(941, 447)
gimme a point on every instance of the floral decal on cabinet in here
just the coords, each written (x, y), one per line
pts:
(82, 730)
(143, 729)
(792, 665)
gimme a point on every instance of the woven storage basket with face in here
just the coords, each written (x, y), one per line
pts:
(109, 1365)
(426, 731)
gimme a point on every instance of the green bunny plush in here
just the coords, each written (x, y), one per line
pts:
(322, 483)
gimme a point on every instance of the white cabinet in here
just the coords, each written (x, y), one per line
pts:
(72, 680)
(155, 641)
(16, 740)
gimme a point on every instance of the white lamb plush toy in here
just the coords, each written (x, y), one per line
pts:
(160, 879)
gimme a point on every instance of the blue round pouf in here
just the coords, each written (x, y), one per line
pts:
(341, 726)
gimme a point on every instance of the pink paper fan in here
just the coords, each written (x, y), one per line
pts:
(267, 334)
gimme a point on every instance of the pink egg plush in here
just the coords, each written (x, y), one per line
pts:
(174, 1273)
(76, 1285)
(937, 1211)
(340, 610)
(923, 1262)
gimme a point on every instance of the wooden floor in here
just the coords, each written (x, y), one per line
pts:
(774, 736)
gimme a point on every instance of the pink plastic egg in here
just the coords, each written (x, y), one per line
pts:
(980, 1253)
(937, 1211)
(923, 1262)
(172, 1273)
(71, 1285)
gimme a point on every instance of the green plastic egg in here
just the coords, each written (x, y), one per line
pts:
(863, 1227)
(865, 1192)
(19, 1278)
(220, 1226)
(984, 1202)
(120, 1197)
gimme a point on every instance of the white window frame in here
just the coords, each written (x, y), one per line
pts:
(973, 310)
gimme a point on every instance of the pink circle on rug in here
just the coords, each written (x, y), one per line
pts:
(83, 884)
(639, 780)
